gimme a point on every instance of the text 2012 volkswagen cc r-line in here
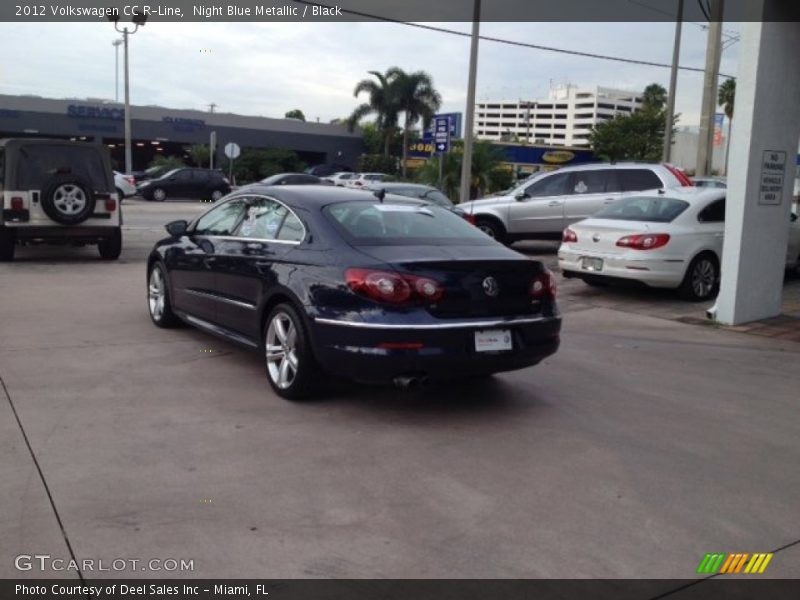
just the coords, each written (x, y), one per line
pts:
(369, 287)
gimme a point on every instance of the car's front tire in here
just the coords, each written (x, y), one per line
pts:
(158, 301)
(111, 247)
(159, 194)
(291, 368)
(216, 195)
(701, 281)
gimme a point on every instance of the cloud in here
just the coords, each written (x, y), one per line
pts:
(269, 68)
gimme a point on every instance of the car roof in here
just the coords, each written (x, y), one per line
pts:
(690, 194)
(312, 196)
(608, 165)
(388, 185)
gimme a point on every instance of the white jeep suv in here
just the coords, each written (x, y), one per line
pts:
(57, 192)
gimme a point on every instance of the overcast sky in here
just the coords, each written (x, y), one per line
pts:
(266, 69)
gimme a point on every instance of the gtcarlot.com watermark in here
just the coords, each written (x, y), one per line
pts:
(46, 562)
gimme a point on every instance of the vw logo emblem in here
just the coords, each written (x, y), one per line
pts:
(596, 237)
(490, 286)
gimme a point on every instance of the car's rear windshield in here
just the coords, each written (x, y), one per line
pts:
(401, 224)
(644, 208)
(39, 162)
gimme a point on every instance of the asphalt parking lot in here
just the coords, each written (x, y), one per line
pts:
(642, 445)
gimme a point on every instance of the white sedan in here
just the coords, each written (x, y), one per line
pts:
(125, 184)
(663, 240)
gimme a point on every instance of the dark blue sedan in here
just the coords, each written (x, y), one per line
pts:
(375, 289)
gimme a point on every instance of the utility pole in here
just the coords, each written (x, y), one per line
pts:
(709, 107)
(673, 85)
(466, 161)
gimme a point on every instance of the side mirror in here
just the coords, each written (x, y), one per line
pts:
(520, 196)
(793, 218)
(176, 228)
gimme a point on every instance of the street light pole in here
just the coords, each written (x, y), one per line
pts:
(138, 20)
(116, 43)
(673, 85)
(709, 105)
(466, 164)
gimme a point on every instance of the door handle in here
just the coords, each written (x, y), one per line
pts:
(608, 200)
(208, 261)
(555, 203)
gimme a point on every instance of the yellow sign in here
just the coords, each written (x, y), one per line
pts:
(557, 156)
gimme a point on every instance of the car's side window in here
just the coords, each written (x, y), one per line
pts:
(552, 185)
(184, 175)
(222, 220)
(713, 213)
(263, 218)
(637, 180)
(292, 229)
(589, 182)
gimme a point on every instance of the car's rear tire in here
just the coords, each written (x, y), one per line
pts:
(159, 304)
(216, 195)
(701, 281)
(291, 367)
(491, 228)
(111, 247)
(8, 239)
(120, 195)
(159, 194)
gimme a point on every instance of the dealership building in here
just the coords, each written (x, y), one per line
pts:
(158, 130)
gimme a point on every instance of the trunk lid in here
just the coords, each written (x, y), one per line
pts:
(601, 235)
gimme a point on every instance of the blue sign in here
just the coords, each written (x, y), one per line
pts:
(455, 126)
(95, 112)
(441, 133)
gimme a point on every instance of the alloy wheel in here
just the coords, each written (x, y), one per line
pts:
(159, 195)
(281, 350)
(156, 294)
(69, 199)
(703, 278)
(487, 230)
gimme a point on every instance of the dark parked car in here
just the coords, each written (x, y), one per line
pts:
(186, 183)
(329, 279)
(294, 179)
(150, 173)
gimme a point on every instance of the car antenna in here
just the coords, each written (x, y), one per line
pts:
(380, 194)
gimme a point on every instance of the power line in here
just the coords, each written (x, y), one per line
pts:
(513, 42)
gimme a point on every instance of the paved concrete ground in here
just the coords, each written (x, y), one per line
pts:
(642, 445)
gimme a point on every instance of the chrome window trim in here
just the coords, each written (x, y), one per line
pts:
(241, 196)
(239, 303)
(434, 326)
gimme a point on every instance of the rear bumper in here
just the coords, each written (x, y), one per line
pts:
(58, 234)
(654, 272)
(378, 353)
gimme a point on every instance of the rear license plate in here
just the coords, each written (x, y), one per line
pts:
(591, 264)
(493, 340)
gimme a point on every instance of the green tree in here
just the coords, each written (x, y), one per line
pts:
(635, 136)
(488, 173)
(169, 162)
(416, 98)
(199, 154)
(295, 114)
(380, 102)
(654, 96)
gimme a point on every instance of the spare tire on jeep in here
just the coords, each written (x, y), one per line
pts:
(67, 199)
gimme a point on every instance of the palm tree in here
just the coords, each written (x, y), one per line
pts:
(381, 102)
(486, 172)
(725, 98)
(654, 96)
(414, 96)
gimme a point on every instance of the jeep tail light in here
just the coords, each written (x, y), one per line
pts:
(543, 285)
(569, 236)
(111, 205)
(394, 288)
(17, 203)
(647, 241)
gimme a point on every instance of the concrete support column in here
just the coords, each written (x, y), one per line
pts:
(766, 128)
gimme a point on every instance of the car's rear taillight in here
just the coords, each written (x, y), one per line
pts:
(470, 218)
(111, 205)
(17, 203)
(395, 288)
(543, 285)
(644, 241)
(358, 183)
(569, 236)
(680, 176)
(130, 180)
